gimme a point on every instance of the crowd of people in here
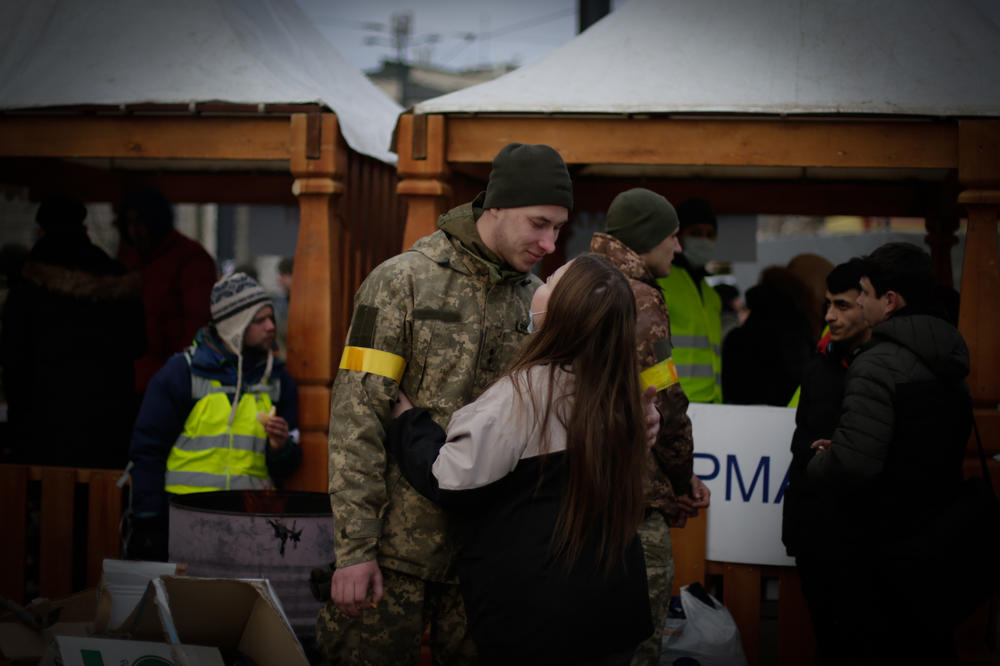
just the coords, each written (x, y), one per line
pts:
(508, 456)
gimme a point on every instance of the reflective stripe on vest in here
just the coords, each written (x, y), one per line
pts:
(696, 333)
(210, 454)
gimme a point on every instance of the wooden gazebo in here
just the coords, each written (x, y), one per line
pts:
(244, 102)
(762, 107)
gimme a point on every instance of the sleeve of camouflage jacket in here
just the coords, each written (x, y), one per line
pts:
(672, 454)
(359, 414)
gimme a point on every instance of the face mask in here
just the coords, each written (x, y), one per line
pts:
(699, 251)
(531, 321)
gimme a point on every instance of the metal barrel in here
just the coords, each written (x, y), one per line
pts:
(277, 535)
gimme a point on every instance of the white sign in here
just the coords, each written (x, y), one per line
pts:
(742, 453)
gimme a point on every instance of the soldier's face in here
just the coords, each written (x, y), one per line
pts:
(844, 316)
(260, 332)
(659, 259)
(525, 234)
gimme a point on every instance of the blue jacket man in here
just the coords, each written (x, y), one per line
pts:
(219, 416)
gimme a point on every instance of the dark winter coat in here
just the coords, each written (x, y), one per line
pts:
(806, 515)
(898, 448)
(72, 328)
(177, 281)
(762, 360)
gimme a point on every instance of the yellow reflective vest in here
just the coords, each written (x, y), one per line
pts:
(210, 454)
(696, 333)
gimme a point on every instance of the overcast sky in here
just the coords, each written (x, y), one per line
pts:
(519, 31)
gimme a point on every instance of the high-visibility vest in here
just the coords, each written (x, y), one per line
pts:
(212, 455)
(696, 333)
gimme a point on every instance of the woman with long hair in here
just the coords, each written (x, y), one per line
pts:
(543, 475)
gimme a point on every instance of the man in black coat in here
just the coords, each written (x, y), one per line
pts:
(893, 464)
(72, 328)
(805, 528)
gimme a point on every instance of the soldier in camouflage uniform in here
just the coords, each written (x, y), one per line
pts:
(641, 240)
(442, 321)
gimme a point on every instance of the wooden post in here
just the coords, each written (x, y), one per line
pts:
(316, 329)
(979, 315)
(423, 172)
(941, 238)
(688, 546)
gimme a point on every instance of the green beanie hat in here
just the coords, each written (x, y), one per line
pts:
(528, 175)
(641, 219)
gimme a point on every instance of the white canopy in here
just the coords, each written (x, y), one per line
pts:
(913, 57)
(69, 52)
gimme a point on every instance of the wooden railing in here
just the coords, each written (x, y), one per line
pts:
(58, 516)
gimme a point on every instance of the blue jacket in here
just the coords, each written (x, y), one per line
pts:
(168, 402)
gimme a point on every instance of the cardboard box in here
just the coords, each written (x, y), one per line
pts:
(234, 615)
(93, 651)
(69, 616)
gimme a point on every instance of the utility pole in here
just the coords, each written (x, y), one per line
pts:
(592, 11)
(402, 24)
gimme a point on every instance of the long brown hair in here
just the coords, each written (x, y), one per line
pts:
(589, 330)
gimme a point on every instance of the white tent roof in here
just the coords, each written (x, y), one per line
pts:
(920, 57)
(69, 52)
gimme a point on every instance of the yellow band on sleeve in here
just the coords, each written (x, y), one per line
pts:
(362, 359)
(661, 375)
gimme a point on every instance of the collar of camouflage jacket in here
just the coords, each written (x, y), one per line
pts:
(460, 224)
(622, 256)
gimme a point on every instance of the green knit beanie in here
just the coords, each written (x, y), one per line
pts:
(528, 175)
(641, 219)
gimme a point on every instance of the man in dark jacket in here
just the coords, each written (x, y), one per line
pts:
(73, 325)
(177, 278)
(893, 461)
(219, 416)
(805, 528)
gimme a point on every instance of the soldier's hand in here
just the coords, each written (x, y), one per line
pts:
(349, 587)
(652, 415)
(401, 405)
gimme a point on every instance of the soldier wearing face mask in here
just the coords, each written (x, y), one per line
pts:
(695, 307)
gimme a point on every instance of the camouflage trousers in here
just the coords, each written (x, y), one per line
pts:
(654, 533)
(392, 632)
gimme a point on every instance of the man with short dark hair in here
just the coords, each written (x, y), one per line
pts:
(641, 241)
(442, 321)
(893, 461)
(805, 529)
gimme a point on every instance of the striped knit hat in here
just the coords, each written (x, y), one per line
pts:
(236, 300)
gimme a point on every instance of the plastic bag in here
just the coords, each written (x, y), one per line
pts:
(708, 636)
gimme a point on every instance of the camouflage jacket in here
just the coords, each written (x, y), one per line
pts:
(458, 323)
(670, 462)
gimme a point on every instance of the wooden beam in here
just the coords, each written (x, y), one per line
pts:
(775, 197)
(316, 329)
(189, 137)
(90, 184)
(718, 142)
